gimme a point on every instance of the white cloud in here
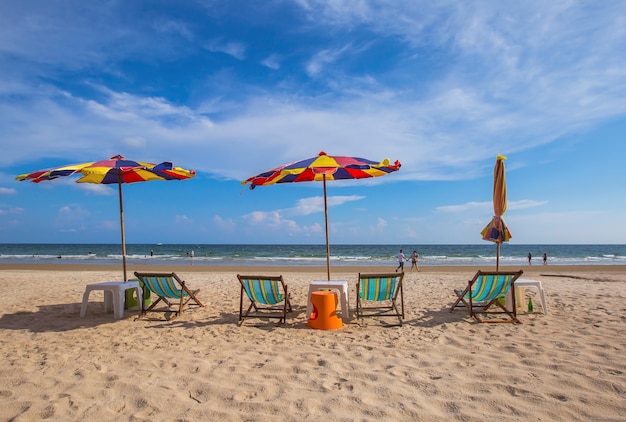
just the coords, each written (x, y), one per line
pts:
(232, 48)
(272, 62)
(465, 207)
(277, 221)
(71, 218)
(226, 224)
(10, 210)
(92, 188)
(135, 142)
(323, 58)
(174, 27)
(525, 203)
(183, 219)
(7, 191)
(110, 225)
(314, 204)
(272, 219)
(488, 205)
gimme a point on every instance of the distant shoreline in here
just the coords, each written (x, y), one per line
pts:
(267, 269)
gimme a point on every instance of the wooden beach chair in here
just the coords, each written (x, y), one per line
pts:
(484, 290)
(377, 296)
(268, 297)
(169, 289)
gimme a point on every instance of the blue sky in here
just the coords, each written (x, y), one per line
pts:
(232, 88)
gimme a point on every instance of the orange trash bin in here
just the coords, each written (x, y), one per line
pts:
(324, 315)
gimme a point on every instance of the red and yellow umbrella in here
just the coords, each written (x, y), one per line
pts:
(321, 168)
(117, 170)
(497, 231)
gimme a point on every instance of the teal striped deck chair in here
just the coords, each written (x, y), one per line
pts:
(484, 290)
(169, 290)
(268, 297)
(377, 296)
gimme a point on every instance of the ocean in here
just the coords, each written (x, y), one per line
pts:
(309, 255)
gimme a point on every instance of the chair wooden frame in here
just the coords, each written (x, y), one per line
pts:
(266, 294)
(484, 290)
(169, 289)
(380, 288)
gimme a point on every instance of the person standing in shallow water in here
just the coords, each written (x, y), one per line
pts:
(545, 258)
(529, 258)
(414, 259)
(401, 259)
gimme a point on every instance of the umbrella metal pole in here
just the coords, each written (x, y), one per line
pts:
(326, 220)
(119, 185)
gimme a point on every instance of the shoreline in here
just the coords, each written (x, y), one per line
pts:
(267, 269)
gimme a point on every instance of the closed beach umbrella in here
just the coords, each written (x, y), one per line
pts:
(115, 170)
(321, 168)
(497, 231)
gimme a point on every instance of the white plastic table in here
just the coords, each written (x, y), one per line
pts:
(520, 300)
(525, 283)
(114, 295)
(341, 286)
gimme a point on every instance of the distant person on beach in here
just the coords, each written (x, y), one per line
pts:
(151, 253)
(545, 258)
(414, 258)
(401, 260)
(529, 258)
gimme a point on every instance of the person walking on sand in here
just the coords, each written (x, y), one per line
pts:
(414, 258)
(401, 260)
(529, 258)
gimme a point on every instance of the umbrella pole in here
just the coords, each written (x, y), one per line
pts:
(119, 185)
(326, 221)
(497, 257)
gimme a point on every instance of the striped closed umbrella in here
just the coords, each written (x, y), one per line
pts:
(321, 168)
(497, 231)
(117, 170)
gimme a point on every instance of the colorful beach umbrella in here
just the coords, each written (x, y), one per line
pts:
(116, 170)
(497, 231)
(321, 168)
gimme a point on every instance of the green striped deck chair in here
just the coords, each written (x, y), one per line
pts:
(483, 291)
(268, 297)
(377, 296)
(169, 290)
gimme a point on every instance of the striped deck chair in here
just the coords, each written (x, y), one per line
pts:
(169, 289)
(382, 292)
(266, 294)
(484, 290)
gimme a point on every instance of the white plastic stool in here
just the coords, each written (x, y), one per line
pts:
(114, 295)
(340, 286)
(525, 283)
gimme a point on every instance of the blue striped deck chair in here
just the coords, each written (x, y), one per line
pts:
(268, 297)
(377, 296)
(169, 289)
(484, 290)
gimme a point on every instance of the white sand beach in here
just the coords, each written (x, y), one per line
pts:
(566, 365)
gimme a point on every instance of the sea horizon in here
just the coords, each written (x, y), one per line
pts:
(310, 255)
